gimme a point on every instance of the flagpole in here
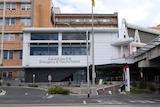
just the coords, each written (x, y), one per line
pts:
(93, 66)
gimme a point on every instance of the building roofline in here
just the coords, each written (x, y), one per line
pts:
(148, 30)
(85, 14)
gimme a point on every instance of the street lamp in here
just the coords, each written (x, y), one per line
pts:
(87, 56)
(2, 39)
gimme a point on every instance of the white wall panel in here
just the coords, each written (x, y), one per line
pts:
(104, 51)
(55, 61)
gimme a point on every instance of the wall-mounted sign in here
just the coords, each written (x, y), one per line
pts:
(58, 60)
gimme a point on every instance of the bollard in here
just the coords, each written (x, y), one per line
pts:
(113, 90)
(103, 90)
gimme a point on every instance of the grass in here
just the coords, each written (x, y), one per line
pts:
(139, 91)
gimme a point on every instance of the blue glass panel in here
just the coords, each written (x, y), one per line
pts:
(44, 36)
(74, 36)
(44, 49)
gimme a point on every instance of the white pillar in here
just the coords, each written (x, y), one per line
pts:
(127, 78)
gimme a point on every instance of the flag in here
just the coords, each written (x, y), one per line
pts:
(52, 16)
(93, 3)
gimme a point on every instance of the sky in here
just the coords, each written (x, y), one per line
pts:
(144, 13)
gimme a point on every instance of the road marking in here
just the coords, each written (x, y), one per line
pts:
(84, 102)
(99, 101)
(50, 96)
(3, 92)
(141, 101)
(110, 92)
(26, 94)
(109, 102)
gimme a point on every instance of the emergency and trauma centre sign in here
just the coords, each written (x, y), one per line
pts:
(60, 60)
(54, 61)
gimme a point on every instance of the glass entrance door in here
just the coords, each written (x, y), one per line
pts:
(80, 77)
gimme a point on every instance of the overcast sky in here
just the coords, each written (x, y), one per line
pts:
(144, 13)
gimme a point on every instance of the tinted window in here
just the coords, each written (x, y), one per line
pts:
(43, 36)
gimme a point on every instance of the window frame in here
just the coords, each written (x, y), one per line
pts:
(43, 49)
(8, 54)
(44, 36)
(9, 21)
(74, 36)
(1, 21)
(21, 37)
(11, 6)
(20, 54)
(74, 49)
(1, 6)
(9, 37)
(25, 21)
(26, 6)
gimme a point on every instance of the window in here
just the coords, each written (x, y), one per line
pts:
(43, 49)
(9, 37)
(7, 74)
(1, 6)
(44, 36)
(21, 74)
(74, 49)
(21, 37)
(10, 6)
(73, 36)
(25, 21)
(7, 54)
(10, 21)
(26, 6)
(1, 21)
(20, 54)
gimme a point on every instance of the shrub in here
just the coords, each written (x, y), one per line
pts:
(134, 84)
(58, 90)
(142, 85)
(8, 84)
(110, 83)
(152, 88)
(0, 83)
(32, 85)
(20, 85)
(105, 83)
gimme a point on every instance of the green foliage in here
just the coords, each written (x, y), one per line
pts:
(105, 83)
(110, 83)
(8, 84)
(134, 84)
(0, 83)
(139, 91)
(32, 85)
(0, 90)
(20, 85)
(58, 90)
(152, 88)
(142, 85)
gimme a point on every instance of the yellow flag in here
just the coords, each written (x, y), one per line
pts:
(93, 3)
